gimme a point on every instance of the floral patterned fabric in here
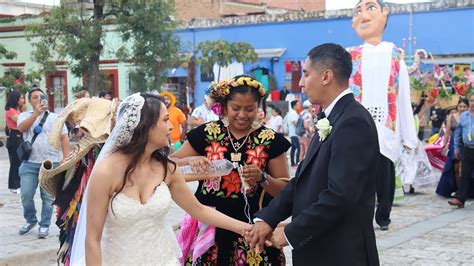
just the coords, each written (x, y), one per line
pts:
(224, 193)
(355, 82)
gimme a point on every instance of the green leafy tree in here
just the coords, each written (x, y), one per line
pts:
(4, 53)
(77, 34)
(224, 53)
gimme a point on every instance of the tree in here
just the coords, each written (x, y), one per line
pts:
(224, 53)
(78, 31)
(4, 53)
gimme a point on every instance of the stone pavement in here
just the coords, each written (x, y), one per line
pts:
(425, 230)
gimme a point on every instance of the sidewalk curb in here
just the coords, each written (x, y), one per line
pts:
(43, 256)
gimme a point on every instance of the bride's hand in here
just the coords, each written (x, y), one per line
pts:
(246, 229)
(199, 164)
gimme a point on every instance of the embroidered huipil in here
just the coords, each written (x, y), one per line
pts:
(380, 82)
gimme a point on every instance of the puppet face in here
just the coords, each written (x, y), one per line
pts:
(369, 19)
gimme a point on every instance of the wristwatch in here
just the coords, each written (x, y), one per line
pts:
(264, 177)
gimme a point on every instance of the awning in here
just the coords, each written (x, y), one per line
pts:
(270, 52)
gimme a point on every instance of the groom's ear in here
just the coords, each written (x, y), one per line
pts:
(326, 77)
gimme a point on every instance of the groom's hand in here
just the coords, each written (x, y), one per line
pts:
(261, 231)
(278, 239)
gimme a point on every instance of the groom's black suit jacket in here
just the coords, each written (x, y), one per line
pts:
(332, 197)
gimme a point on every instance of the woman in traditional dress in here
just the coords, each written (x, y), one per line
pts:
(260, 153)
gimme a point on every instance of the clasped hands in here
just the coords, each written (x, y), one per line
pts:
(262, 235)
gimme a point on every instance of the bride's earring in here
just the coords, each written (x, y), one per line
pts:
(255, 124)
(225, 120)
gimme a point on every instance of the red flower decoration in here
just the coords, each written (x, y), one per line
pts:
(257, 156)
(215, 151)
(460, 88)
(354, 55)
(358, 79)
(392, 111)
(391, 81)
(434, 92)
(231, 183)
(391, 97)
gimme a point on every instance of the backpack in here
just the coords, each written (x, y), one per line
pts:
(299, 129)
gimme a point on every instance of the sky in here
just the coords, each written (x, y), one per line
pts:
(330, 4)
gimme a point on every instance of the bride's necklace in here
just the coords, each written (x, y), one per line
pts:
(236, 156)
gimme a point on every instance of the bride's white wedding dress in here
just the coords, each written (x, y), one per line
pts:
(137, 234)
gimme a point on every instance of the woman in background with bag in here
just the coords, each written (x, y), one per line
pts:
(15, 102)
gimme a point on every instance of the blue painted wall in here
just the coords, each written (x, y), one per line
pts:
(440, 32)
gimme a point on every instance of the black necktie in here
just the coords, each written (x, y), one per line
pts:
(321, 115)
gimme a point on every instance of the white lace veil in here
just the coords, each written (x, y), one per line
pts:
(128, 117)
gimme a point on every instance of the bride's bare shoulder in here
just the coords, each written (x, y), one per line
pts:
(112, 166)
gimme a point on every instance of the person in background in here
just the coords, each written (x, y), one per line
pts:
(437, 117)
(451, 175)
(15, 102)
(84, 94)
(203, 113)
(177, 118)
(106, 95)
(295, 143)
(186, 109)
(464, 151)
(276, 120)
(261, 116)
(306, 138)
(28, 123)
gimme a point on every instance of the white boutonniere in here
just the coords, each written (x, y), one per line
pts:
(324, 128)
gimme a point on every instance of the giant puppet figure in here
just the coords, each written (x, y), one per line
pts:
(380, 82)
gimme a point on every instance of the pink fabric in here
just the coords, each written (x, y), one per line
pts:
(8, 114)
(435, 153)
(195, 237)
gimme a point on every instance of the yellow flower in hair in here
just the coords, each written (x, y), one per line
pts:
(222, 88)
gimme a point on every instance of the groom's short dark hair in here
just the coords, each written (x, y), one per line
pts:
(335, 57)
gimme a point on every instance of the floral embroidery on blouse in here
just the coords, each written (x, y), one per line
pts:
(218, 145)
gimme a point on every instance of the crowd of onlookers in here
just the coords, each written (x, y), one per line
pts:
(445, 124)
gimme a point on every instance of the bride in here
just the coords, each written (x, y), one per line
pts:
(129, 194)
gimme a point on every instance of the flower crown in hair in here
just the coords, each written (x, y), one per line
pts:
(222, 89)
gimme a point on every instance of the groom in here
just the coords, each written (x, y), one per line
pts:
(331, 199)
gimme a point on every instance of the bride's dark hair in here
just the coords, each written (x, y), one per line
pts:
(149, 115)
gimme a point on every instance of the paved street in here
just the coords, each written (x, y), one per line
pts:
(425, 230)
